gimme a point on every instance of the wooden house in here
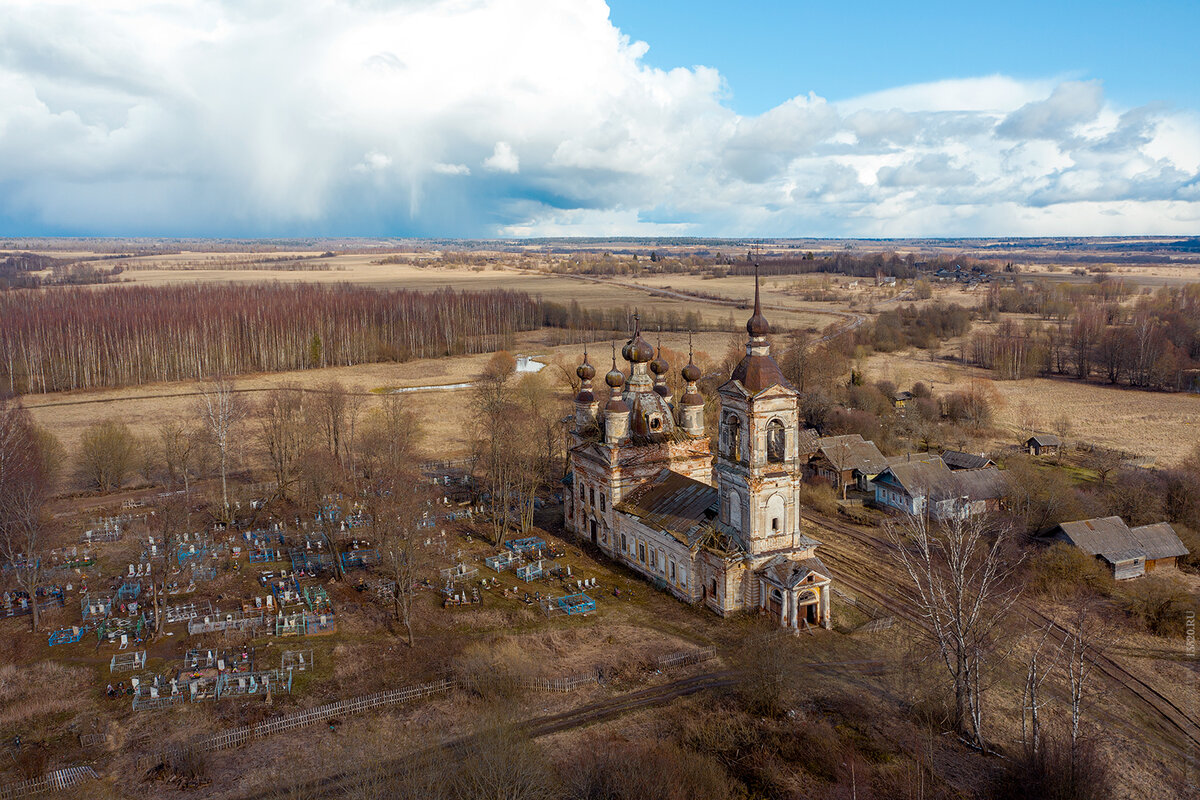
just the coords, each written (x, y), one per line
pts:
(1128, 552)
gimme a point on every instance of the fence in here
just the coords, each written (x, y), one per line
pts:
(231, 622)
(568, 683)
(57, 780)
(684, 657)
(243, 734)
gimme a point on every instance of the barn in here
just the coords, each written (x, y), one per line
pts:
(1128, 552)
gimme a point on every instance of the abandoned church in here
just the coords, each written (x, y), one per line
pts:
(726, 532)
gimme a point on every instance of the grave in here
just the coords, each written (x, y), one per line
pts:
(503, 561)
(127, 662)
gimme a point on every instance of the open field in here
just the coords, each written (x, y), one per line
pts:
(446, 414)
(1157, 425)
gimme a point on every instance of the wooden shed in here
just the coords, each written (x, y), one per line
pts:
(1128, 552)
(1042, 444)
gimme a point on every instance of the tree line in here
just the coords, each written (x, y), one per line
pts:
(80, 339)
(1152, 342)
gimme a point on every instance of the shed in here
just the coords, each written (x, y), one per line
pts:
(1043, 443)
(958, 460)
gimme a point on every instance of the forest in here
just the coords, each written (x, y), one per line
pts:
(1094, 330)
(76, 338)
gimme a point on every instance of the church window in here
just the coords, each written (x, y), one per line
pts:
(777, 512)
(655, 423)
(714, 587)
(603, 503)
(682, 575)
(776, 438)
(673, 571)
(624, 543)
(733, 511)
(653, 561)
(733, 437)
(591, 497)
(582, 495)
(642, 552)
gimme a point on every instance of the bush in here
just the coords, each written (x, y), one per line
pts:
(641, 770)
(1160, 604)
(1061, 571)
(820, 497)
(1052, 776)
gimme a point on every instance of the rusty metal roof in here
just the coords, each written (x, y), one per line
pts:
(672, 502)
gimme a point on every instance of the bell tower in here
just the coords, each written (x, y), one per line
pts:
(758, 468)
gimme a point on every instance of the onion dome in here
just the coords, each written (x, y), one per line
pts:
(757, 326)
(691, 373)
(615, 378)
(585, 371)
(659, 365)
(638, 350)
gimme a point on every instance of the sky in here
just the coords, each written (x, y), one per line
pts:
(520, 118)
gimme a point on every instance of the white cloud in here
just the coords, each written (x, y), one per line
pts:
(451, 169)
(225, 117)
(503, 159)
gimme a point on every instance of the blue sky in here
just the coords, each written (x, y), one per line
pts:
(481, 118)
(769, 52)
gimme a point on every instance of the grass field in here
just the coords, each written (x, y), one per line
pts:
(1162, 426)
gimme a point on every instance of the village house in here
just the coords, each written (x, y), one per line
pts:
(1128, 552)
(901, 399)
(929, 486)
(644, 488)
(846, 461)
(1043, 444)
(958, 460)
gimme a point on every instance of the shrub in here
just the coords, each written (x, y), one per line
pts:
(1061, 571)
(820, 497)
(1052, 775)
(1159, 603)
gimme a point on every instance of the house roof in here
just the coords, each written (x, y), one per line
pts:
(1113, 540)
(673, 503)
(808, 441)
(853, 452)
(1044, 440)
(1159, 540)
(956, 459)
(936, 480)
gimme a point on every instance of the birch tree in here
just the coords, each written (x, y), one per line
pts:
(960, 571)
(221, 412)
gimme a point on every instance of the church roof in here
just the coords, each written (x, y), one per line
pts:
(757, 373)
(672, 502)
(788, 573)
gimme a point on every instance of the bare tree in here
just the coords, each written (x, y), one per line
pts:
(397, 502)
(960, 570)
(222, 411)
(169, 519)
(496, 439)
(283, 433)
(1084, 642)
(23, 494)
(178, 444)
(1039, 668)
(107, 453)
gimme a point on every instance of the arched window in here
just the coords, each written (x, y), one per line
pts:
(777, 513)
(733, 437)
(733, 509)
(776, 439)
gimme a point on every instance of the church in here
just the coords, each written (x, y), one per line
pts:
(644, 487)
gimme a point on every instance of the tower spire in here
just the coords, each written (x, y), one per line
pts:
(757, 325)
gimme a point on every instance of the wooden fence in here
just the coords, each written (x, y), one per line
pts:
(683, 657)
(55, 781)
(238, 736)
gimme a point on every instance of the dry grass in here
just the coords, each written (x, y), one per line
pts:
(36, 690)
(1153, 424)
